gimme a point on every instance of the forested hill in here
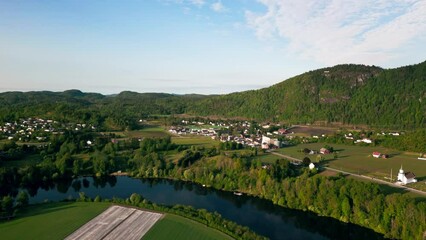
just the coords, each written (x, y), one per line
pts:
(351, 94)
(354, 94)
(119, 111)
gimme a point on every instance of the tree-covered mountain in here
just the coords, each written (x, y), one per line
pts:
(348, 94)
(119, 111)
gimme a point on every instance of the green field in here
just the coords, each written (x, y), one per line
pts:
(359, 159)
(176, 227)
(58, 220)
(50, 221)
(147, 132)
(195, 140)
(267, 158)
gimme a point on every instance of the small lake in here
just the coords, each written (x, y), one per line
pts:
(258, 214)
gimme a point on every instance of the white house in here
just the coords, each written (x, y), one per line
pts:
(405, 178)
(364, 140)
(376, 154)
(312, 166)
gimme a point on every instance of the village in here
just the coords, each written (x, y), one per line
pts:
(278, 137)
(241, 132)
(266, 136)
(38, 130)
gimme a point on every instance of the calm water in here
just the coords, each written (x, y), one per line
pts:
(260, 215)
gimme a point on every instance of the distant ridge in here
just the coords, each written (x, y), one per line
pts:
(346, 94)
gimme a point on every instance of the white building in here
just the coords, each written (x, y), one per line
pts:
(405, 178)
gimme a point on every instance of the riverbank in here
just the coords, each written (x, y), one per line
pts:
(58, 220)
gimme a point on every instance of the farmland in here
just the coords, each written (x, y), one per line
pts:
(147, 131)
(191, 140)
(117, 223)
(37, 222)
(308, 131)
(359, 159)
(182, 228)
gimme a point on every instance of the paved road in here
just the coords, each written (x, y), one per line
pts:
(358, 176)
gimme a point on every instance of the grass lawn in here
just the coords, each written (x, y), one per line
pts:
(26, 161)
(153, 131)
(176, 227)
(148, 131)
(267, 158)
(195, 140)
(50, 221)
(359, 159)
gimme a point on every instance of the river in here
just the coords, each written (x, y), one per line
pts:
(258, 214)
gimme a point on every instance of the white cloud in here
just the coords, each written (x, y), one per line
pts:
(197, 2)
(217, 6)
(335, 31)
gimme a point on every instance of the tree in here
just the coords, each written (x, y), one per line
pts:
(336, 155)
(320, 158)
(306, 150)
(306, 161)
(22, 199)
(7, 205)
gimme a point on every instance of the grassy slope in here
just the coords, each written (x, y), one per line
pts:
(175, 227)
(50, 221)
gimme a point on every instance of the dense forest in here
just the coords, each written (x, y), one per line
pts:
(347, 94)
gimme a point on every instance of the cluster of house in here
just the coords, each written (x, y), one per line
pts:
(321, 151)
(185, 130)
(36, 129)
(350, 136)
(245, 141)
(261, 137)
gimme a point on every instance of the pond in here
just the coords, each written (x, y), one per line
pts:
(259, 215)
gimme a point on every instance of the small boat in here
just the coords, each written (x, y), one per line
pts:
(204, 185)
(238, 193)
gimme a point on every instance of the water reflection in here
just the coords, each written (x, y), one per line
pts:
(260, 215)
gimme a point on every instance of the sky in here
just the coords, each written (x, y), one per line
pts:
(198, 46)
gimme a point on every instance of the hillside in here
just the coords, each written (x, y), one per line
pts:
(351, 94)
(348, 94)
(118, 111)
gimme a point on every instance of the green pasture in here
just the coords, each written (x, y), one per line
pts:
(146, 132)
(176, 227)
(359, 159)
(50, 221)
(199, 127)
(267, 158)
(195, 140)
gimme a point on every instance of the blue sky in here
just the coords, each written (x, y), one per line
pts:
(198, 46)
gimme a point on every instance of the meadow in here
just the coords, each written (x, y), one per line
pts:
(58, 220)
(359, 159)
(195, 140)
(50, 221)
(176, 227)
